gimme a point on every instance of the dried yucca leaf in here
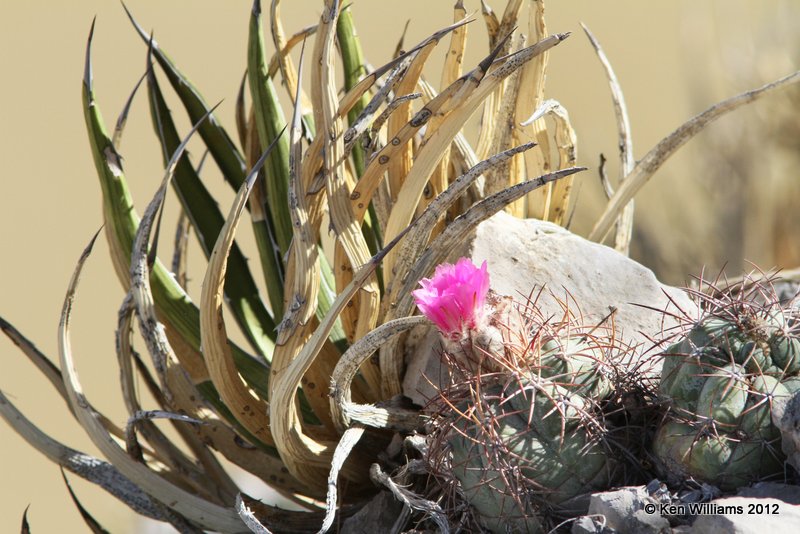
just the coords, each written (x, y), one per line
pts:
(177, 389)
(249, 518)
(90, 521)
(164, 451)
(122, 119)
(289, 44)
(304, 287)
(343, 410)
(289, 76)
(531, 96)
(622, 239)
(354, 70)
(492, 23)
(182, 395)
(345, 446)
(213, 432)
(49, 370)
(250, 410)
(509, 172)
(312, 165)
(95, 470)
(351, 247)
(180, 501)
(257, 515)
(474, 90)
(651, 162)
(305, 456)
(566, 142)
(418, 238)
(181, 392)
(398, 167)
(451, 71)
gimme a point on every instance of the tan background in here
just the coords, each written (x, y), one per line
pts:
(667, 56)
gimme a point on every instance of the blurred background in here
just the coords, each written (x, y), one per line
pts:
(732, 194)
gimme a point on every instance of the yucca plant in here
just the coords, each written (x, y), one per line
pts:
(384, 169)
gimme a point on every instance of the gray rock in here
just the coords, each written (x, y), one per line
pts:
(590, 525)
(524, 255)
(739, 518)
(772, 490)
(424, 372)
(786, 416)
(378, 515)
(624, 510)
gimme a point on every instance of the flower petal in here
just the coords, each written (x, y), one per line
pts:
(453, 299)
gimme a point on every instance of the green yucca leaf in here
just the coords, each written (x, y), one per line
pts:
(326, 296)
(219, 143)
(231, 163)
(268, 250)
(201, 208)
(122, 222)
(271, 262)
(354, 70)
(270, 122)
(158, 344)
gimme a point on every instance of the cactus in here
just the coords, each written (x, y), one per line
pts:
(525, 443)
(719, 381)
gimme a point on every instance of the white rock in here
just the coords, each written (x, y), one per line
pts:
(742, 518)
(526, 254)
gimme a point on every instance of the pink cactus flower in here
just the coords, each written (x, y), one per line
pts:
(454, 298)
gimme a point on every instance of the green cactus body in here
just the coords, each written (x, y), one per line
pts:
(531, 447)
(785, 350)
(719, 382)
(723, 396)
(577, 361)
(682, 373)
